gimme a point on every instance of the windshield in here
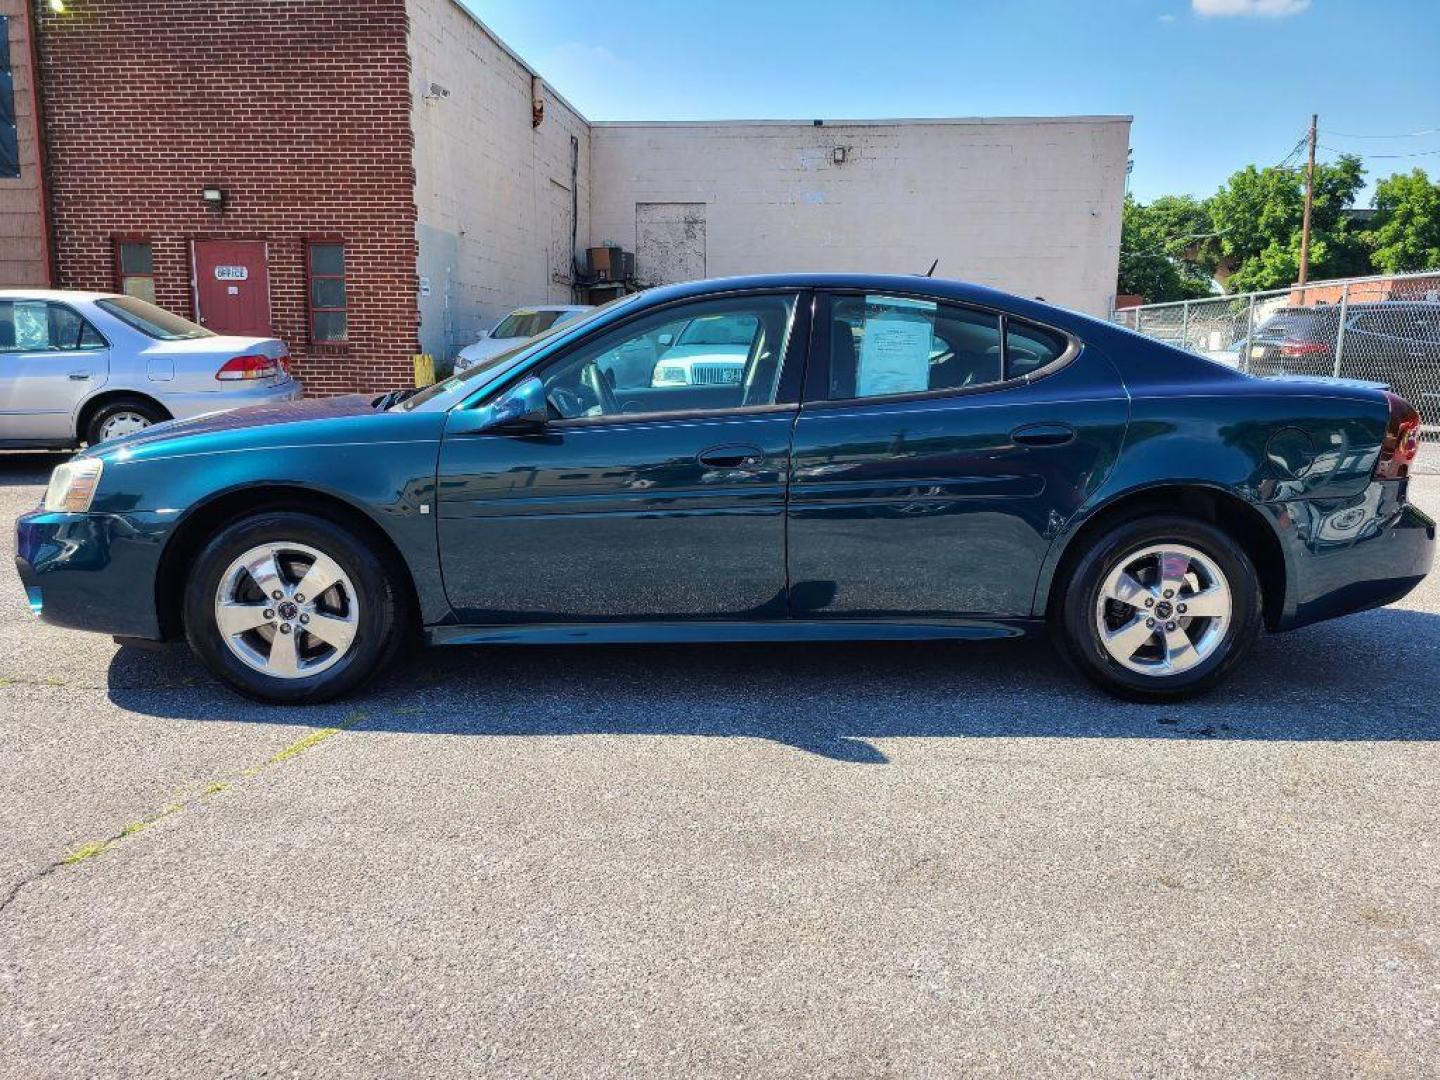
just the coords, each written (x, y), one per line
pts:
(152, 321)
(527, 323)
(461, 383)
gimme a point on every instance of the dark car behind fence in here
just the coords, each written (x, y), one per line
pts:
(1378, 329)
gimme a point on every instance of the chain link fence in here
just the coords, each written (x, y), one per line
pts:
(1379, 329)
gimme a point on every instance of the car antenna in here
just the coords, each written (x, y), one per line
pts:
(931, 271)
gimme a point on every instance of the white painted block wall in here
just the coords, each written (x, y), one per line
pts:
(1030, 205)
(492, 192)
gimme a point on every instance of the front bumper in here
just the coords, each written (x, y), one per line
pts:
(1354, 554)
(92, 571)
(189, 406)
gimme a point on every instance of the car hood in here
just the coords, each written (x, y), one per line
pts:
(309, 421)
(698, 353)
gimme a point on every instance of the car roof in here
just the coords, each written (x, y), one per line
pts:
(52, 294)
(962, 292)
(551, 307)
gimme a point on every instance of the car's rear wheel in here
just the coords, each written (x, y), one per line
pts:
(124, 416)
(1159, 609)
(286, 607)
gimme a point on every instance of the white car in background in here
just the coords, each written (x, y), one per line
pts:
(709, 351)
(712, 350)
(520, 325)
(83, 367)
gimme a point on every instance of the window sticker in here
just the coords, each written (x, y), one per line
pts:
(895, 346)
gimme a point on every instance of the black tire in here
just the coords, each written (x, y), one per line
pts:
(1074, 619)
(381, 625)
(148, 410)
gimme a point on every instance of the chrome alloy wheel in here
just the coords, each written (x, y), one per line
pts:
(125, 422)
(287, 610)
(1163, 609)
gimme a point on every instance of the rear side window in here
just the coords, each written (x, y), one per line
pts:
(882, 346)
(1028, 348)
(40, 326)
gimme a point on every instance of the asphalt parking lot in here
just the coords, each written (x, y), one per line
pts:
(810, 860)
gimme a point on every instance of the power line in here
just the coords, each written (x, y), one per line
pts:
(1405, 135)
(1294, 151)
(1373, 157)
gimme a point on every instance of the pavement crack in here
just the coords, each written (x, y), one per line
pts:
(19, 886)
(94, 848)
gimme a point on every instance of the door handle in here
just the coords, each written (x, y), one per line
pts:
(1048, 434)
(731, 457)
(79, 376)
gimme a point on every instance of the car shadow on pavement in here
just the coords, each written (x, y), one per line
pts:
(24, 468)
(1370, 677)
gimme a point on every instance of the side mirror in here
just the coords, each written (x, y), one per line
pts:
(523, 405)
(521, 408)
(666, 340)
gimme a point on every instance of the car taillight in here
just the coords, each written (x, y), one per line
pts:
(284, 360)
(252, 366)
(1302, 348)
(1402, 440)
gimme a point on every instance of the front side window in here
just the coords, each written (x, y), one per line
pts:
(712, 355)
(329, 308)
(137, 269)
(40, 326)
(1410, 324)
(150, 320)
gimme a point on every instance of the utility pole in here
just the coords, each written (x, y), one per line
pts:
(1309, 202)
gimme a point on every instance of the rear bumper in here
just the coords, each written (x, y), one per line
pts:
(1354, 554)
(92, 571)
(188, 406)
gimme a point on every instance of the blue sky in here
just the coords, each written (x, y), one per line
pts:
(1212, 84)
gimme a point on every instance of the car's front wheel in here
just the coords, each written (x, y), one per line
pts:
(1160, 608)
(290, 608)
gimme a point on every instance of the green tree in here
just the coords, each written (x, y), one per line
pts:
(1257, 215)
(1157, 245)
(1406, 234)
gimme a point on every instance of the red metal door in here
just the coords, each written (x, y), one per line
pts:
(232, 287)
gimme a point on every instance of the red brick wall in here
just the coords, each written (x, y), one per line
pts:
(299, 111)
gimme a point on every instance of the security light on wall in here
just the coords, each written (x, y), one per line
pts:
(838, 155)
(214, 197)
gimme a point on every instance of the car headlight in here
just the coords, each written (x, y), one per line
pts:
(72, 486)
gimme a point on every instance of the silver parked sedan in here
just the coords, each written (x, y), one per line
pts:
(85, 367)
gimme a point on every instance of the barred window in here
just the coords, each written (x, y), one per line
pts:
(136, 269)
(9, 139)
(325, 263)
